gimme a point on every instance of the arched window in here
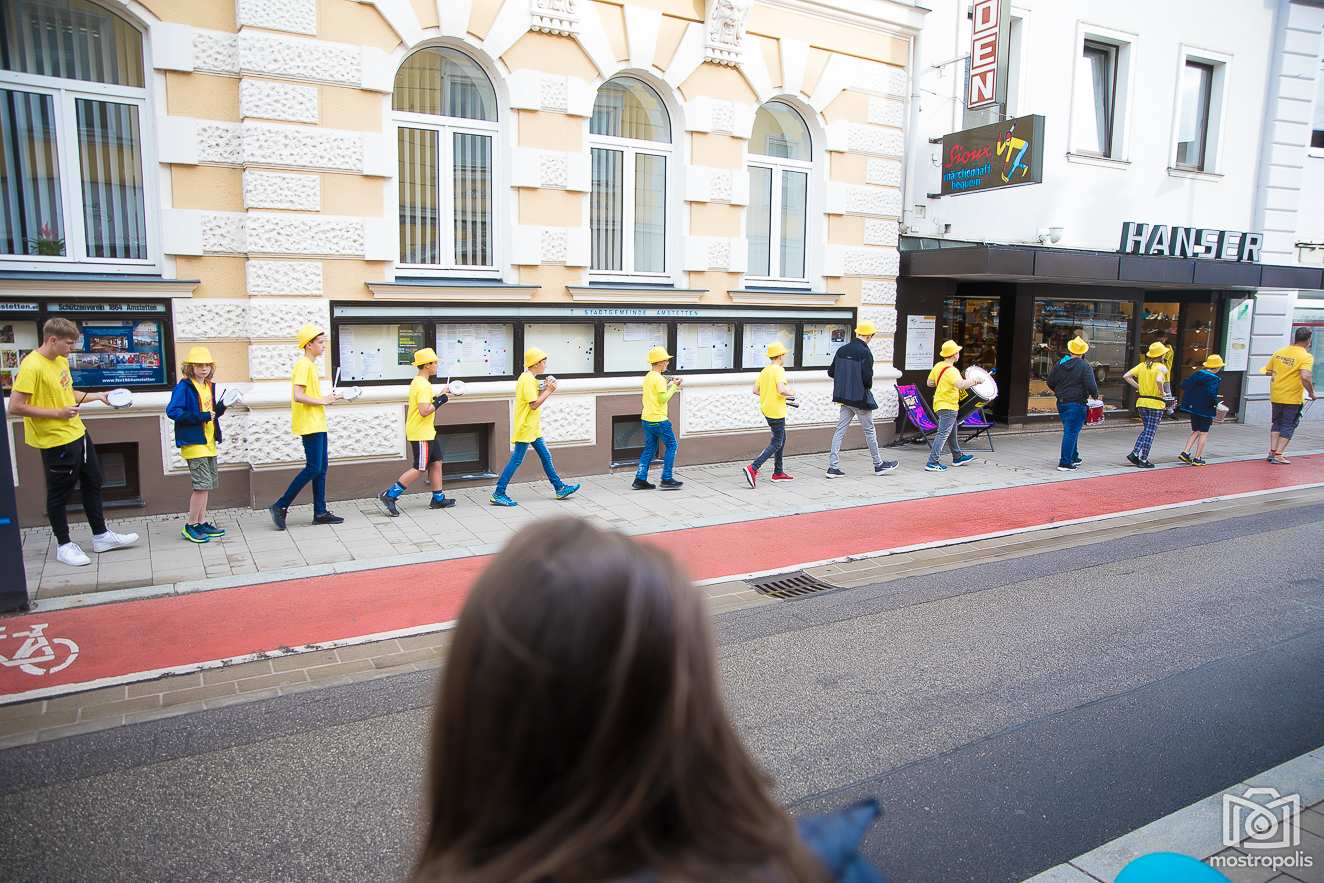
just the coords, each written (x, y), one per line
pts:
(71, 110)
(780, 159)
(446, 115)
(630, 142)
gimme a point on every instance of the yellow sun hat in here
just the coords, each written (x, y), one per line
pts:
(658, 354)
(775, 349)
(1077, 346)
(533, 356)
(950, 348)
(1214, 361)
(865, 328)
(1156, 351)
(199, 355)
(424, 356)
(307, 334)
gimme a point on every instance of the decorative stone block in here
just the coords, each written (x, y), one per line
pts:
(554, 246)
(283, 191)
(210, 319)
(723, 117)
(724, 30)
(867, 261)
(886, 172)
(883, 318)
(869, 200)
(889, 406)
(284, 277)
(882, 346)
(553, 171)
(215, 52)
(300, 147)
(224, 233)
(290, 234)
(220, 143)
(886, 112)
(560, 17)
(719, 254)
(233, 450)
(299, 16)
(880, 231)
(555, 93)
(570, 420)
(275, 361)
(878, 291)
(278, 101)
(299, 59)
(276, 320)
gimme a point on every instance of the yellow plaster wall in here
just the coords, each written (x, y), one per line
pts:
(426, 10)
(613, 22)
(709, 219)
(691, 9)
(343, 280)
(231, 358)
(718, 284)
(481, 16)
(550, 131)
(347, 21)
(551, 55)
(718, 81)
(354, 195)
(845, 230)
(217, 15)
(669, 36)
(772, 56)
(718, 151)
(216, 188)
(849, 287)
(848, 168)
(219, 276)
(849, 107)
(550, 208)
(202, 95)
(771, 22)
(814, 65)
(553, 281)
(353, 109)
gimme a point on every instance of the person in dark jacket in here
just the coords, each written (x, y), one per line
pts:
(580, 734)
(852, 388)
(1199, 398)
(197, 415)
(1072, 381)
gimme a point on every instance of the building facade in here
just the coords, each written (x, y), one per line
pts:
(591, 177)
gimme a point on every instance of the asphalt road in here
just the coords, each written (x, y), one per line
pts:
(1009, 715)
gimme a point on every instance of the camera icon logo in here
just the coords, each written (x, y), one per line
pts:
(1262, 819)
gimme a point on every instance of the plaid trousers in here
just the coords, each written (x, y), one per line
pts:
(1151, 418)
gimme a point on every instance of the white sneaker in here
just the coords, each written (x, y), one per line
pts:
(73, 555)
(110, 540)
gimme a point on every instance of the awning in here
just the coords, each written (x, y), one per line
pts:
(944, 259)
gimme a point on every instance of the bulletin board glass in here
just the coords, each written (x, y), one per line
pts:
(625, 345)
(754, 353)
(569, 345)
(703, 346)
(475, 349)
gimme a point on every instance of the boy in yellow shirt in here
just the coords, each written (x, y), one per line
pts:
(44, 396)
(773, 389)
(1291, 368)
(526, 430)
(946, 381)
(421, 433)
(657, 426)
(308, 420)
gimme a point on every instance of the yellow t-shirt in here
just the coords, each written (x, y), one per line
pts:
(193, 452)
(1151, 378)
(1285, 365)
(946, 395)
(417, 426)
(657, 392)
(306, 419)
(528, 419)
(772, 402)
(48, 384)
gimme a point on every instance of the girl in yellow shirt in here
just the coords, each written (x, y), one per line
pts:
(1150, 379)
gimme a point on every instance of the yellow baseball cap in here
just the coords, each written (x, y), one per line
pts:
(1156, 351)
(307, 334)
(776, 349)
(1077, 346)
(1214, 361)
(199, 355)
(865, 328)
(658, 354)
(950, 348)
(533, 356)
(424, 356)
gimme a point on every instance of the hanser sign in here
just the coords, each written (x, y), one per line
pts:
(1190, 242)
(991, 157)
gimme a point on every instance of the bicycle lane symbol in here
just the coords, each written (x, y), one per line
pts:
(38, 654)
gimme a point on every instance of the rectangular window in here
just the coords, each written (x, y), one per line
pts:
(476, 349)
(17, 339)
(465, 450)
(705, 347)
(114, 201)
(821, 342)
(119, 475)
(420, 238)
(1105, 325)
(428, 196)
(1197, 84)
(569, 346)
(113, 352)
(795, 192)
(650, 213)
(473, 199)
(625, 345)
(627, 439)
(1096, 95)
(378, 352)
(607, 211)
(758, 335)
(758, 221)
(31, 218)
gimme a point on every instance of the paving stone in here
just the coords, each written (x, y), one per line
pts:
(111, 709)
(294, 661)
(10, 726)
(367, 651)
(172, 683)
(265, 682)
(89, 697)
(323, 672)
(236, 672)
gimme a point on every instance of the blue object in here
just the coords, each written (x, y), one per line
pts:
(395, 490)
(566, 490)
(835, 838)
(1199, 394)
(1169, 867)
(185, 409)
(1072, 415)
(314, 470)
(502, 500)
(655, 434)
(517, 457)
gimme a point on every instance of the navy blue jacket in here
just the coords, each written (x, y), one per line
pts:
(185, 409)
(1199, 393)
(852, 375)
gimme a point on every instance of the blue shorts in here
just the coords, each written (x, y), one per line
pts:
(1284, 419)
(1201, 424)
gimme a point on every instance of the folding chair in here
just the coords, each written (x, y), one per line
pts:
(918, 415)
(981, 424)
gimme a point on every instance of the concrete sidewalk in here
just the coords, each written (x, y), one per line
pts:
(253, 551)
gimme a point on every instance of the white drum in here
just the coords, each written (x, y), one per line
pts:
(455, 388)
(986, 388)
(351, 393)
(231, 396)
(119, 398)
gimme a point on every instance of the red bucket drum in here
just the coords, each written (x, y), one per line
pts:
(1094, 412)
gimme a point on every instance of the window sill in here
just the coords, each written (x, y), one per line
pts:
(609, 293)
(1315, 152)
(798, 297)
(1103, 162)
(462, 290)
(1194, 174)
(94, 285)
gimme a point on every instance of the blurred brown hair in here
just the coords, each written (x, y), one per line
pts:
(60, 327)
(580, 732)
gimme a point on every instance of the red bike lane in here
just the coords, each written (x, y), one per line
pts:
(135, 640)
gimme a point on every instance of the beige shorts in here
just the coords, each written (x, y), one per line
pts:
(203, 472)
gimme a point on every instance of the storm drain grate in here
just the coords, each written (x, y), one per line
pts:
(788, 585)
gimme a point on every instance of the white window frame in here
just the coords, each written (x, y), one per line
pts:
(1221, 62)
(632, 147)
(1123, 44)
(65, 94)
(779, 165)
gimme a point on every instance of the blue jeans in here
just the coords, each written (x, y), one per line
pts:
(655, 434)
(314, 469)
(517, 457)
(946, 435)
(1072, 415)
(774, 448)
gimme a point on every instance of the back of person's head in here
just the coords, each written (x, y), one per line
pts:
(1302, 333)
(60, 327)
(580, 732)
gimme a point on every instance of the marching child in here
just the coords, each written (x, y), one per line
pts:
(946, 380)
(1150, 379)
(1199, 398)
(421, 433)
(657, 426)
(197, 411)
(308, 421)
(526, 431)
(773, 390)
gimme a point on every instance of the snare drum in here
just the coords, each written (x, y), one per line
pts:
(1094, 412)
(119, 398)
(983, 392)
(231, 396)
(351, 393)
(455, 387)
(1221, 412)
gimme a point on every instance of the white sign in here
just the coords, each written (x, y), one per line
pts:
(1239, 315)
(1191, 242)
(988, 45)
(920, 333)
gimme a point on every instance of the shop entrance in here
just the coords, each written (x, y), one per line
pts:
(1105, 325)
(973, 322)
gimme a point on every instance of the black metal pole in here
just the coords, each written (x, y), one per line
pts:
(13, 584)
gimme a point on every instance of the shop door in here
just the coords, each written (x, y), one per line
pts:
(973, 323)
(1160, 321)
